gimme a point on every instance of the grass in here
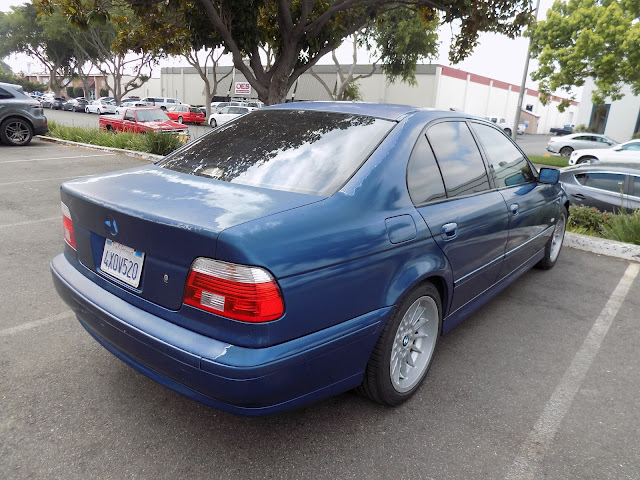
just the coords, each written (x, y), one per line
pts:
(622, 227)
(157, 143)
(549, 161)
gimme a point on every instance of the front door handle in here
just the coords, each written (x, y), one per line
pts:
(449, 230)
(579, 196)
(515, 208)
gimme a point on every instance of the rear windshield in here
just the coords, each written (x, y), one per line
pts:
(297, 151)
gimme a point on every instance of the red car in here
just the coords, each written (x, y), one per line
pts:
(142, 120)
(186, 114)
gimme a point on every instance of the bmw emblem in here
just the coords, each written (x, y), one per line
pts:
(405, 341)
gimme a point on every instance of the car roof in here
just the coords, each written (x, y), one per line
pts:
(384, 111)
(622, 167)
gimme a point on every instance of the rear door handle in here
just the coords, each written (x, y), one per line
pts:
(515, 208)
(449, 230)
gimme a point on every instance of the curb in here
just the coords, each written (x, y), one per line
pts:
(129, 153)
(599, 246)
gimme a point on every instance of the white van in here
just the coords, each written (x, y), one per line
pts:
(162, 102)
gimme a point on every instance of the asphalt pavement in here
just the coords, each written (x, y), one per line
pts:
(542, 382)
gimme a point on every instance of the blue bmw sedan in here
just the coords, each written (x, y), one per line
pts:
(305, 249)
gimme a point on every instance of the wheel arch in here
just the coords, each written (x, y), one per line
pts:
(18, 117)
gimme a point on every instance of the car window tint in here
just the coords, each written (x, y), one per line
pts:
(631, 146)
(4, 94)
(581, 137)
(635, 180)
(423, 175)
(611, 182)
(460, 162)
(505, 160)
(298, 151)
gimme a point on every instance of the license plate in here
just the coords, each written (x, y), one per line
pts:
(122, 262)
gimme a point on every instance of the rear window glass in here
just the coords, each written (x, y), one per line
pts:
(297, 151)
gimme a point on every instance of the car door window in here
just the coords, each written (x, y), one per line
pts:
(129, 115)
(581, 137)
(507, 163)
(635, 182)
(462, 168)
(611, 182)
(4, 94)
(423, 175)
(631, 146)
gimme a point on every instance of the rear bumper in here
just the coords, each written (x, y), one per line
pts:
(247, 381)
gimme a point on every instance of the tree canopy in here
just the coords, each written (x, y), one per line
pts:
(298, 32)
(583, 39)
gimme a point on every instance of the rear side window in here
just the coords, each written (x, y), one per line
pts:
(460, 162)
(635, 181)
(297, 151)
(4, 94)
(423, 175)
(611, 182)
(508, 165)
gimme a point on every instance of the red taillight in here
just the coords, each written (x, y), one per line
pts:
(67, 226)
(248, 294)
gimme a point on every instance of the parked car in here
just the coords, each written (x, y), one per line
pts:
(54, 103)
(567, 144)
(21, 117)
(624, 152)
(186, 114)
(606, 186)
(304, 250)
(162, 102)
(125, 105)
(142, 120)
(507, 126)
(564, 130)
(217, 106)
(100, 107)
(228, 113)
(75, 105)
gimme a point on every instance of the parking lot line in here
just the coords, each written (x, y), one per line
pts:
(539, 440)
(29, 222)
(36, 323)
(41, 180)
(56, 158)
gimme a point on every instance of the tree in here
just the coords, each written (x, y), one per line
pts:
(583, 39)
(300, 32)
(45, 38)
(398, 40)
(210, 83)
(106, 46)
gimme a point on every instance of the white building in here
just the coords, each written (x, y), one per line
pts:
(619, 119)
(438, 86)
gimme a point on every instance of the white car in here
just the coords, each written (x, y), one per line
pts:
(100, 107)
(126, 105)
(506, 126)
(566, 145)
(625, 152)
(228, 113)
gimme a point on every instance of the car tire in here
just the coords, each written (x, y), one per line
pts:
(566, 151)
(409, 338)
(554, 245)
(507, 131)
(586, 159)
(213, 123)
(180, 120)
(16, 132)
(86, 110)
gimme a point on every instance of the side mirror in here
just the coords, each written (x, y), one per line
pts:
(617, 149)
(549, 175)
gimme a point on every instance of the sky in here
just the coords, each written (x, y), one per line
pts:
(496, 56)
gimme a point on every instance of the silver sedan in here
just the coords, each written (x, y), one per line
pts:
(566, 144)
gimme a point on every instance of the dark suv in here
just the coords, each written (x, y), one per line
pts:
(21, 117)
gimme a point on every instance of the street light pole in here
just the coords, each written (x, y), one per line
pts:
(523, 85)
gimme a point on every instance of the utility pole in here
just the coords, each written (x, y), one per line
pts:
(523, 85)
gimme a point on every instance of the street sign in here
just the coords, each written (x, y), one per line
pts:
(243, 88)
